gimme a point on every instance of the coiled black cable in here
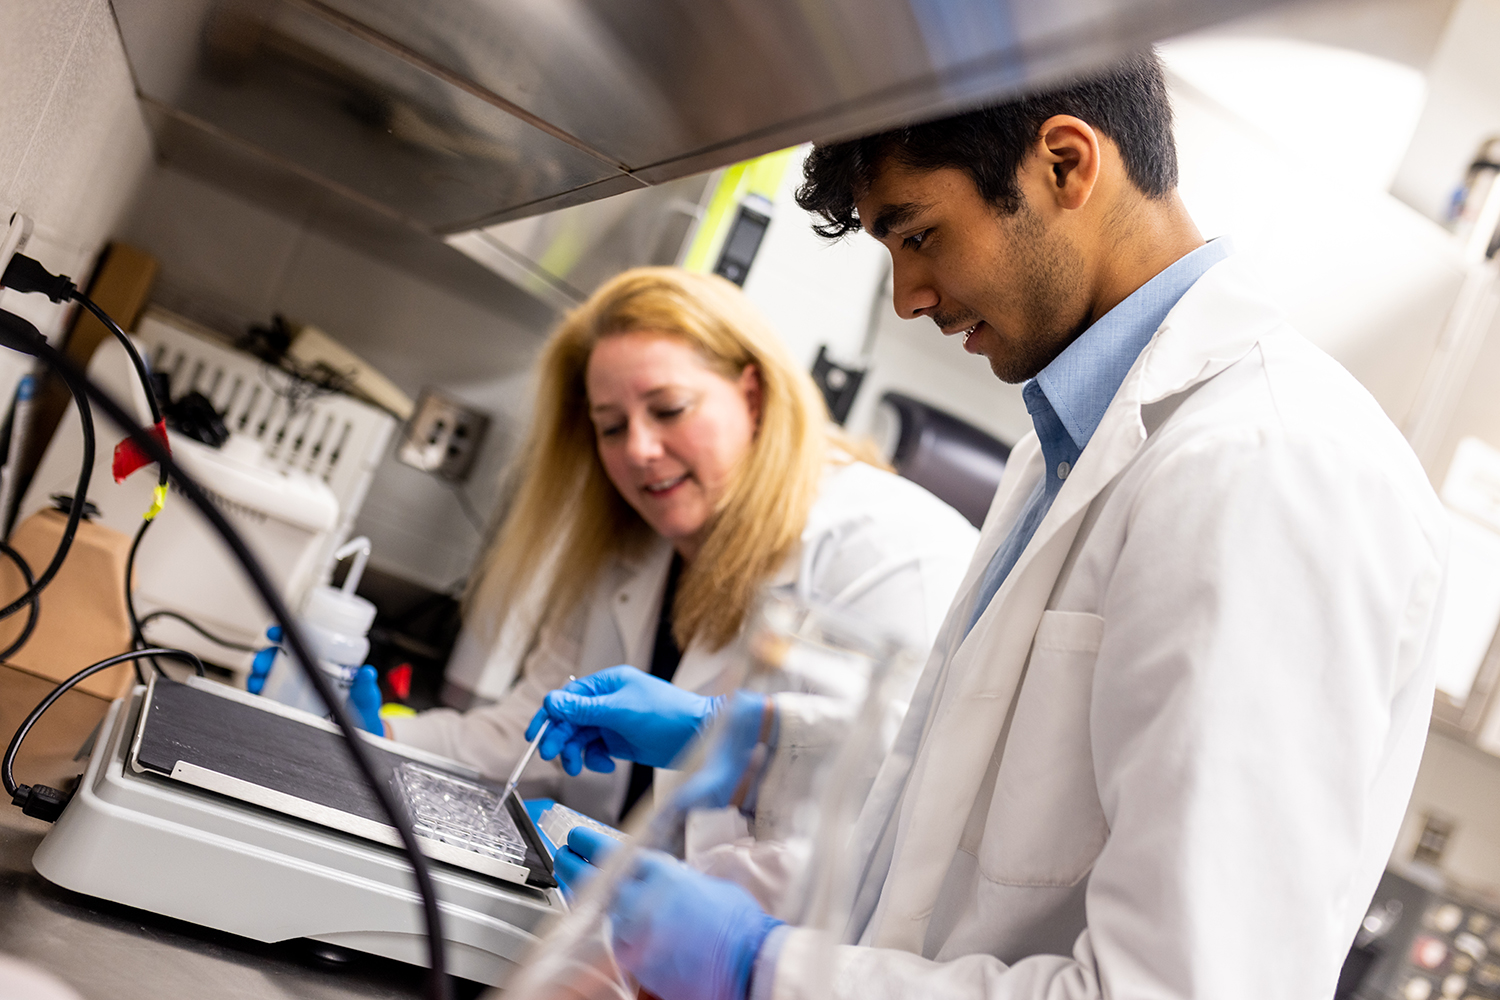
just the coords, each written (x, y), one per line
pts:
(144, 375)
(138, 362)
(80, 493)
(36, 601)
(137, 633)
(238, 647)
(7, 763)
(19, 334)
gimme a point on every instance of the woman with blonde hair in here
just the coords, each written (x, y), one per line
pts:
(678, 462)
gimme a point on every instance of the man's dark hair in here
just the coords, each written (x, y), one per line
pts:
(1127, 102)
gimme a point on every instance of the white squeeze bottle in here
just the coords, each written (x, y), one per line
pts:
(336, 625)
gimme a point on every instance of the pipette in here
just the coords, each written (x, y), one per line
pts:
(515, 776)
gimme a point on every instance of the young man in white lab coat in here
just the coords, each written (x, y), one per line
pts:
(1168, 731)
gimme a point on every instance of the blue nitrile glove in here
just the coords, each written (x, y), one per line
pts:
(680, 933)
(260, 667)
(574, 864)
(731, 772)
(620, 712)
(534, 809)
(364, 699)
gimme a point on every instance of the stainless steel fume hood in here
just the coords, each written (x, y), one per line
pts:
(389, 121)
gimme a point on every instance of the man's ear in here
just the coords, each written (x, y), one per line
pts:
(1067, 148)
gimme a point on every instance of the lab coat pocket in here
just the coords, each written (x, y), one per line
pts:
(1045, 825)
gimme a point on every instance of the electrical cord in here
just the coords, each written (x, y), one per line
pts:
(80, 493)
(21, 335)
(238, 647)
(136, 360)
(40, 800)
(137, 636)
(25, 274)
(36, 601)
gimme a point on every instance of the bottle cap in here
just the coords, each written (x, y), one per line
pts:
(337, 611)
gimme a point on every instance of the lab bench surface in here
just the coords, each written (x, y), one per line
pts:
(105, 951)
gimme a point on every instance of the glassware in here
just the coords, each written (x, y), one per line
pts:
(841, 688)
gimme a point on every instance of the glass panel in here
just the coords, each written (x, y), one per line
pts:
(821, 670)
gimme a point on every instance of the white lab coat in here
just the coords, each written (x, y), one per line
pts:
(880, 546)
(1171, 758)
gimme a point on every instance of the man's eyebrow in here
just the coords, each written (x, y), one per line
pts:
(893, 216)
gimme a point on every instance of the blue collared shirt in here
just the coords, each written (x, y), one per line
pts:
(1067, 399)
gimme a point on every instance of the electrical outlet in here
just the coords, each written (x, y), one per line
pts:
(443, 436)
(17, 230)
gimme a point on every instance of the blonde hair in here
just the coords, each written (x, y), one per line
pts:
(568, 521)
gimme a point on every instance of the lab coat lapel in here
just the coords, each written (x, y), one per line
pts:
(1216, 323)
(870, 841)
(634, 603)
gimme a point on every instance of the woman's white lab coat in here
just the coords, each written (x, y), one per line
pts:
(1171, 758)
(878, 545)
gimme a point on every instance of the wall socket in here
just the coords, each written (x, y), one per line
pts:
(443, 436)
(13, 238)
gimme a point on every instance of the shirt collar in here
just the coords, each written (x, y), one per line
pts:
(1082, 380)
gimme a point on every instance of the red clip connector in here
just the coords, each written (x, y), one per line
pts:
(129, 456)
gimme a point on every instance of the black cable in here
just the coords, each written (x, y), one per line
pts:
(36, 601)
(137, 637)
(19, 334)
(144, 375)
(25, 274)
(7, 764)
(80, 493)
(216, 640)
(135, 355)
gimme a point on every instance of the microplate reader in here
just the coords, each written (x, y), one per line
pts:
(215, 806)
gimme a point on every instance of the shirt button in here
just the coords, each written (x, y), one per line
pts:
(1063, 468)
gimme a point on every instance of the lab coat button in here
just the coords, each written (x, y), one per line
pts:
(1063, 468)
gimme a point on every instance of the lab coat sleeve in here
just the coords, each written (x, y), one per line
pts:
(886, 552)
(898, 563)
(492, 738)
(894, 559)
(1258, 706)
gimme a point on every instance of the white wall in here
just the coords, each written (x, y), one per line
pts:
(1462, 784)
(73, 145)
(814, 292)
(229, 263)
(1364, 276)
(1361, 274)
(1462, 111)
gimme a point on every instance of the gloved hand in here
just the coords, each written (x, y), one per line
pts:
(260, 667)
(364, 693)
(680, 933)
(574, 868)
(620, 712)
(732, 770)
(364, 700)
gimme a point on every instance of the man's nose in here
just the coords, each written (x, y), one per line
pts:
(913, 294)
